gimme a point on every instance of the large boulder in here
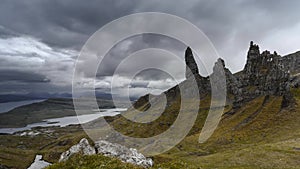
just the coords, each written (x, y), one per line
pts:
(82, 147)
(129, 155)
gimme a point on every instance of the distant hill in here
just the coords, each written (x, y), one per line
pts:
(50, 108)
(32, 96)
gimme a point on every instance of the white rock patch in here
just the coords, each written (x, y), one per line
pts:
(39, 163)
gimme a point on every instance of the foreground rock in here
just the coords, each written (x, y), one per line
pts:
(82, 147)
(39, 163)
(128, 155)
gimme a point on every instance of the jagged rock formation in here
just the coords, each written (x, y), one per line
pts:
(263, 74)
(128, 155)
(191, 65)
(233, 86)
(266, 72)
(292, 63)
(83, 147)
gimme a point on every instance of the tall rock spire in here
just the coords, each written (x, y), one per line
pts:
(265, 72)
(191, 65)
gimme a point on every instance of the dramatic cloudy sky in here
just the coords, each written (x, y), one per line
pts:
(41, 39)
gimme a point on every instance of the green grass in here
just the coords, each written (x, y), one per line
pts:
(93, 162)
(259, 135)
(20, 151)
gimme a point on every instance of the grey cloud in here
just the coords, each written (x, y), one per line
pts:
(63, 23)
(22, 76)
(230, 25)
(117, 54)
(6, 33)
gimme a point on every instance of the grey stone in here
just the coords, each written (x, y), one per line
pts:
(82, 147)
(191, 65)
(39, 163)
(129, 155)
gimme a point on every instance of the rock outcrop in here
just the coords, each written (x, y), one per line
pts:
(265, 72)
(128, 155)
(191, 65)
(292, 62)
(82, 147)
(230, 83)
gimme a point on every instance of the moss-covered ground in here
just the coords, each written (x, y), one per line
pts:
(261, 134)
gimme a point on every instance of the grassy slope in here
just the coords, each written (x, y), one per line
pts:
(94, 161)
(258, 135)
(269, 140)
(19, 151)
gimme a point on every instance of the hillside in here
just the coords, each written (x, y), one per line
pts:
(259, 127)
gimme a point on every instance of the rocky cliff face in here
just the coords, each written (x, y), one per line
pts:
(191, 65)
(292, 62)
(265, 73)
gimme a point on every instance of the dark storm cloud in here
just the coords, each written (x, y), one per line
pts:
(22, 76)
(6, 33)
(133, 44)
(63, 24)
(229, 24)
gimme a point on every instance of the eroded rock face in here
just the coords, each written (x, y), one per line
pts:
(264, 74)
(292, 62)
(191, 65)
(128, 155)
(229, 84)
(82, 147)
(123, 153)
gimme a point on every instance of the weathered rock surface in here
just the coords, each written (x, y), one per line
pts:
(82, 147)
(39, 163)
(191, 65)
(292, 62)
(264, 74)
(123, 153)
(128, 155)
